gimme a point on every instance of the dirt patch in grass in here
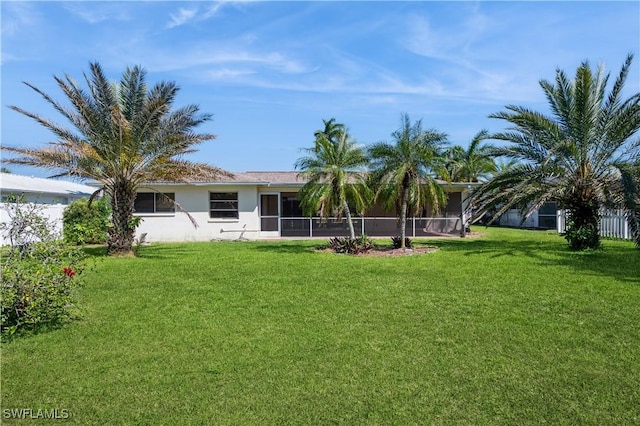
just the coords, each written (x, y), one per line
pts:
(390, 251)
(393, 252)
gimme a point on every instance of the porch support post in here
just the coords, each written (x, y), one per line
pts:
(463, 203)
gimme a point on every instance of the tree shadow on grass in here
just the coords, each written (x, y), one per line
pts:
(288, 247)
(162, 251)
(146, 251)
(620, 261)
(95, 250)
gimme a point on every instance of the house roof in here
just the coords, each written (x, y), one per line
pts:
(10, 182)
(247, 178)
(280, 178)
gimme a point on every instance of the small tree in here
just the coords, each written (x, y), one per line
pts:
(86, 223)
(404, 172)
(334, 168)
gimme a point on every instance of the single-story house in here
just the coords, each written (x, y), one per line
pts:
(546, 217)
(41, 190)
(53, 195)
(258, 205)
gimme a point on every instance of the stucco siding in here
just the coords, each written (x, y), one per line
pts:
(195, 199)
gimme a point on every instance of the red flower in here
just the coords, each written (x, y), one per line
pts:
(69, 272)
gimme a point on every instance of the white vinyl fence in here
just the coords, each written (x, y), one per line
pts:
(613, 224)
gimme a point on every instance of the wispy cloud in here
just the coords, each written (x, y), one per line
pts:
(231, 57)
(93, 13)
(17, 16)
(196, 13)
(182, 17)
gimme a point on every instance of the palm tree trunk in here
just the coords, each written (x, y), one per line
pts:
(347, 211)
(121, 231)
(403, 216)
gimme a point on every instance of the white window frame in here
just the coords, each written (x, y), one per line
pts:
(235, 200)
(155, 211)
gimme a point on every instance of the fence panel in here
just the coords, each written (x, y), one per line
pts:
(613, 224)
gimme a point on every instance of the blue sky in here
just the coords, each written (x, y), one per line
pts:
(269, 72)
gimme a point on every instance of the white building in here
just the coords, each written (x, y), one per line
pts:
(54, 195)
(256, 205)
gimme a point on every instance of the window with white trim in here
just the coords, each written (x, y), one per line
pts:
(223, 205)
(153, 202)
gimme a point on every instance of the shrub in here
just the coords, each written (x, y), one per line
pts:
(40, 275)
(348, 245)
(582, 238)
(395, 241)
(27, 223)
(86, 224)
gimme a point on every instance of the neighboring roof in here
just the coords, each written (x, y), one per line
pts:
(17, 183)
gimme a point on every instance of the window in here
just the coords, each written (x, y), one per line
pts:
(152, 202)
(547, 215)
(223, 205)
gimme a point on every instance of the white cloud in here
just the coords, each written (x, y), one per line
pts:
(18, 16)
(227, 74)
(197, 13)
(182, 17)
(95, 13)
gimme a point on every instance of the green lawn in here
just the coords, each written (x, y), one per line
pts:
(509, 328)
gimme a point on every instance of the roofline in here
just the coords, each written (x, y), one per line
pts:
(288, 184)
(31, 191)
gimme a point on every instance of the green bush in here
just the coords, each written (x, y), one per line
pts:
(348, 245)
(582, 238)
(84, 224)
(40, 274)
(39, 285)
(396, 242)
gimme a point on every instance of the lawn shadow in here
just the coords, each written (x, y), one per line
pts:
(619, 262)
(288, 247)
(162, 251)
(95, 250)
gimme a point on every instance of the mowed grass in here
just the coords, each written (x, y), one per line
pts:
(508, 328)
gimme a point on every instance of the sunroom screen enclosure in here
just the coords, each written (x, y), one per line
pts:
(375, 223)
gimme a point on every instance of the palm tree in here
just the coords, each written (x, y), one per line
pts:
(472, 164)
(124, 134)
(404, 173)
(335, 175)
(572, 156)
(629, 194)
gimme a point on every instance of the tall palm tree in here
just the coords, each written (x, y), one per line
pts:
(332, 130)
(404, 173)
(334, 169)
(472, 164)
(629, 194)
(124, 134)
(572, 156)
